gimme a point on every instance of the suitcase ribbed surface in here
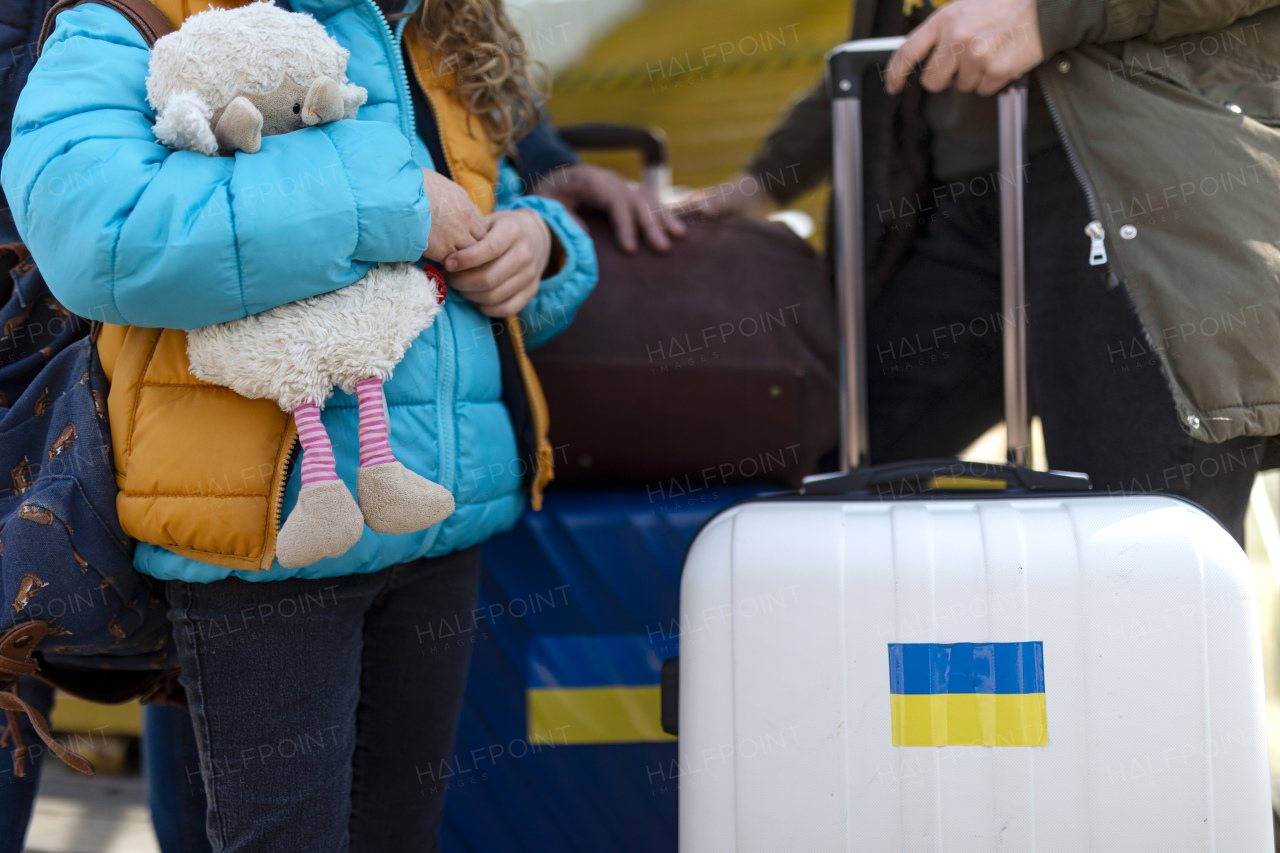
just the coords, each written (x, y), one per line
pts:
(1146, 614)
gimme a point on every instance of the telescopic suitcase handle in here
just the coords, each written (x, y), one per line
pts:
(845, 67)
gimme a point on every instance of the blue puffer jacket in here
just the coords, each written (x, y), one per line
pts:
(129, 232)
(20, 22)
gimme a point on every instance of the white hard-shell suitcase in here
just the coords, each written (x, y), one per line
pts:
(915, 658)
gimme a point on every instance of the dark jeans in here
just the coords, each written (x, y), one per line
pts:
(934, 341)
(175, 790)
(318, 712)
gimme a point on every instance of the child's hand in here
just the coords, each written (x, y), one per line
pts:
(501, 273)
(456, 222)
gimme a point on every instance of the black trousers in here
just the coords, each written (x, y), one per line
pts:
(934, 353)
(324, 721)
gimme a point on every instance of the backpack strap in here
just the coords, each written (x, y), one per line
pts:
(145, 17)
(13, 704)
(16, 646)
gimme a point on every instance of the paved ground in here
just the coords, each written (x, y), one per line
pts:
(90, 814)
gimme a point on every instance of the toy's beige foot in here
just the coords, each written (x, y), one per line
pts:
(325, 523)
(396, 500)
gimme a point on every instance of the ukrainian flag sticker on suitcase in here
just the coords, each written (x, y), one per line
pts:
(966, 694)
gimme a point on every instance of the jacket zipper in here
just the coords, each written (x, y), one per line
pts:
(277, 496)
(1097, 248)
(442, 325)
(444, 409)
(1096, 233)
(278, 503)
(1097, 243)
(444, 389)
(391, 41)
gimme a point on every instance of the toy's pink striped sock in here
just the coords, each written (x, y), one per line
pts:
(374, 447)
(317, 452)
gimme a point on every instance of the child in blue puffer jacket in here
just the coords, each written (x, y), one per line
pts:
(314, 716)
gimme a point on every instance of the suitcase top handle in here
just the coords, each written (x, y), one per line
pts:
(847, 64)
(933, 475)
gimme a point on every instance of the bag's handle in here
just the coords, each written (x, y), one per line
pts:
(651, 142)
(148, 20)
(845, 66)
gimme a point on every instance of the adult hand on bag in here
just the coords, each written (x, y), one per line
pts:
(630, 207)
(456, 222)
(975, 45)
(501, 272)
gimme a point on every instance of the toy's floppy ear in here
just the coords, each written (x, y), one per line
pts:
(240, 127)
(323, 102)
(353, 98)
(183, 124)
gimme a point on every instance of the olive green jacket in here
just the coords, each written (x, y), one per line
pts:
(1170, 113)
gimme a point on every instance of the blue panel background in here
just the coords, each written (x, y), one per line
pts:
(596, 660)
(591, 563)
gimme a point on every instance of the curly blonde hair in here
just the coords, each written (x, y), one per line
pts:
(495, 79)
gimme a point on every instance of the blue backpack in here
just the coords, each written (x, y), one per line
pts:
(74, 613)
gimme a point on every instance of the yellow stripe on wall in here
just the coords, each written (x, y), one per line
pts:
(596, 715)
(963, 719)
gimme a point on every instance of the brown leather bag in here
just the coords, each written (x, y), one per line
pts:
(714, 363)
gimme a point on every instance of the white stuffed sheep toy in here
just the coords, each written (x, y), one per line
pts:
(227, 78)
